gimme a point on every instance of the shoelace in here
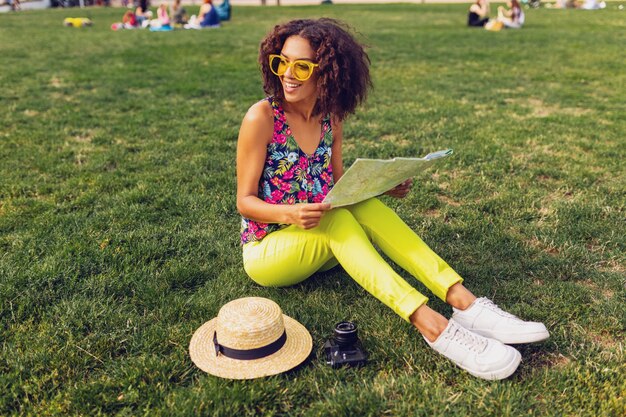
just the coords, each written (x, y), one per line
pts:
(492, 306)
(468, 339)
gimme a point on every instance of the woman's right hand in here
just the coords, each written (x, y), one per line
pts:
(307, 215)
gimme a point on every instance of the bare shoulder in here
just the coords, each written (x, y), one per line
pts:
(260, 112)
(258, 122)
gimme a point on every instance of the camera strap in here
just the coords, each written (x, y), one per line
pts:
(249, 354)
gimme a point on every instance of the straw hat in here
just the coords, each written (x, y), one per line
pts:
(250, 338)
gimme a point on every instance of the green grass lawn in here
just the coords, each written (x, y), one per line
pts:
(119, 231)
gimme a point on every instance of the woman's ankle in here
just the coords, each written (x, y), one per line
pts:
(429, 323)
(460, 297)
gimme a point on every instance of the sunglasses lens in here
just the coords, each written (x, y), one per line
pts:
(301, 70)
(278, 65)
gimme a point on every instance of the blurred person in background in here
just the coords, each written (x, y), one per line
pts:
(478, 14)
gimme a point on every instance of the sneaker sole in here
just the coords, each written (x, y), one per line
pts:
(503, 373)
(514, 338)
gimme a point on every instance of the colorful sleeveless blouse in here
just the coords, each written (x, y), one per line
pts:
(290, 175)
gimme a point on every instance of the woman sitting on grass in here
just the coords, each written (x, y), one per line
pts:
(207, 17)
(129, 20)
(162, 16)
(513, 17)
(289, 155)
(179, 14)
(478, 13)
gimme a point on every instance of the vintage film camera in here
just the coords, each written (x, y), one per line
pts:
(344, 348)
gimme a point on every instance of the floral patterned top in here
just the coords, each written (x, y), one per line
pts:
(290, 175)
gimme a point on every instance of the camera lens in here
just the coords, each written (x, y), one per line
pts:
(345, 333)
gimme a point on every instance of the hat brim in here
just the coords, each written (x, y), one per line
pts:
(296, 349)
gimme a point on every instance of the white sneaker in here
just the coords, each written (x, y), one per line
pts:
(487, 319)
(480, 356)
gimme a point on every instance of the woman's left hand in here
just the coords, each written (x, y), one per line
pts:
(401, 190)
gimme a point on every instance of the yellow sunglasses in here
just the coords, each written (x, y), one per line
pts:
(300, 69)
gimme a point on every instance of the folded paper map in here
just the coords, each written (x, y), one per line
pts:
(368, 178)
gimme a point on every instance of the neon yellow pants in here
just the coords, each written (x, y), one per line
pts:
(345, 236)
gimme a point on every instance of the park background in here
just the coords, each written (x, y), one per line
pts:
(44, 4)
(119, 232)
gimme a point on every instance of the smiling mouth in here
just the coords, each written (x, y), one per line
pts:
(289, 84)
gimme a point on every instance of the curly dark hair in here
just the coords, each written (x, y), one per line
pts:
(344, 77)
